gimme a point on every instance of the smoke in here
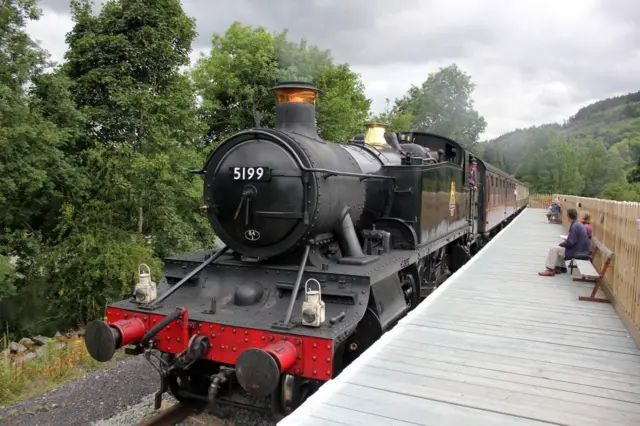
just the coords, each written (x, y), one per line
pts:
(299, 61)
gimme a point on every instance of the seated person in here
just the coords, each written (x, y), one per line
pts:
(585, 218)
(577, 242)
(553, 209)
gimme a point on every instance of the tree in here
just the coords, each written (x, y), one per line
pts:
(34, 171)
(561, 172)
(629, 151)
(443, 105)
(599, 167)
(37, 172)
(7, 278)
(235, 81)
(343, 108)
(622, 191)
(140, 136)
(394, 119)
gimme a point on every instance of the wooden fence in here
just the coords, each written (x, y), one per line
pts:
(617, 225)
(540, 201)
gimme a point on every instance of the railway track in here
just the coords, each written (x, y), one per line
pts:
(195, 414)
(177, 413)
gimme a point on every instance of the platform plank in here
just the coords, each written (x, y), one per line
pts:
(495, 344)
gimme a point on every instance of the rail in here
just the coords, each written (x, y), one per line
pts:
(172, 415)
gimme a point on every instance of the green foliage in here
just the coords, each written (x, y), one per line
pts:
(592, 111)
(603, 137)
(91, 267)
(7, 278)
(397, 120)
(562, 171)
(141, 137)
(622, 191)
(235, 81)
(35, 174)
(441, 105)
(343, 109)
(94, 160)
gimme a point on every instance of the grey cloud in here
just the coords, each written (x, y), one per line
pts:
(57, 5)
(357, 31)
(531, 60)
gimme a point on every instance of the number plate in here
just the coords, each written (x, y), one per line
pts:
(251, 173)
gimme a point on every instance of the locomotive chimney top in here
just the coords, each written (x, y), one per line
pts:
(295, 91)
(295, 107)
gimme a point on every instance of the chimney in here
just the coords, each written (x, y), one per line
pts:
(296, 108)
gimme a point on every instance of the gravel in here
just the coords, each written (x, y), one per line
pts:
(134, 414)
(97, 395)
(144, 409)
(119, 395)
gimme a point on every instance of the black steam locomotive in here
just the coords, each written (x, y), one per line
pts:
(328, 245)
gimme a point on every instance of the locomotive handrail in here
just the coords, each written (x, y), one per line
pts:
(368, 146)
(187, 277)
(309, 169)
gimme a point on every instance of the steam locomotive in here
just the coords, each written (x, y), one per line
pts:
(327, 246)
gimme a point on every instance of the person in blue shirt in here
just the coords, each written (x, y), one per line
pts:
(577, 242)
(554, 209)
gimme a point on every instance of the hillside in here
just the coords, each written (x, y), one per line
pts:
(596, 152)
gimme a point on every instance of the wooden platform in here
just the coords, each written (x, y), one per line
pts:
(495, 345)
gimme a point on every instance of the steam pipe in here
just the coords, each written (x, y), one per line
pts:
(349, 237)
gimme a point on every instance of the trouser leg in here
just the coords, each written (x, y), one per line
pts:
(555, 258)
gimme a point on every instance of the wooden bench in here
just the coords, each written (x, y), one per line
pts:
(555, 218)
(587, 270)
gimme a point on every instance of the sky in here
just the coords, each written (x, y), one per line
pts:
(532, 61)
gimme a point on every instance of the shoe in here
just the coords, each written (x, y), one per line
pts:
(547, 273)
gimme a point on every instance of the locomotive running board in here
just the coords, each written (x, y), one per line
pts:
(157, 304)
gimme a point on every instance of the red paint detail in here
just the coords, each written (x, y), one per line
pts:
(223, 340)
(285, 353)
(131, 330)
(184, 323)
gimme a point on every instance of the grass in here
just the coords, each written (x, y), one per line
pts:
(57, 364)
